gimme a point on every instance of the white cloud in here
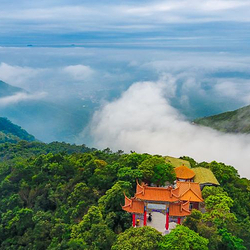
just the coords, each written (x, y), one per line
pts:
(19, 97)
(234, 88)
(16, 75)
(214, 5)
(143, 120)
(128, 15)
(52, 80)
(199, 63)
(181, 10)
(200, 75)
(227, 88)
(79, 72)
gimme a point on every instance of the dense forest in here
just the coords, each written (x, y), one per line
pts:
(62, 196)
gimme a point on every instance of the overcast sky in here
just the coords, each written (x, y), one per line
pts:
(125, 23)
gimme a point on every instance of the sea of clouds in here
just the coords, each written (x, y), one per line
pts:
(143, 120)
(142, 100)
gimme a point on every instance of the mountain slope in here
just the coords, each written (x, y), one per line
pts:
(237, 121)
(10, 132)
(46, 119)
(7, 90)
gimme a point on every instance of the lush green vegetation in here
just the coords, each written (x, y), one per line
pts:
(24, 149)
(176, 162)
(226, 222)
(10, 132)
(62, 196)
(183, 238)
(237, 121)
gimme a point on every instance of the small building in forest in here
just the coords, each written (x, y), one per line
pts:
(159, 206)
(203, 176)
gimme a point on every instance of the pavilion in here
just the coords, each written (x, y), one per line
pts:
(172, 202)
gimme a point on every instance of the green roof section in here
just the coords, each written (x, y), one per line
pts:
(204, 175)
(176, 162)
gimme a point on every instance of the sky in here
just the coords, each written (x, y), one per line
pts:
(185, 23)
(84, 66)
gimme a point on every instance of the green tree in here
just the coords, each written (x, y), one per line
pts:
(42, 229)
(193, 220)
(80, 199)
(21, 221)
(223, 173)
(93, 231)
(133, 160)
(129, 174)
(218, 205)
(110, 206)
(217, 223)
(231, 242)
(163, 173)
(60, 235)
(183, 238)
(104, 176)
(147, 166)
(156, 170)
(138, 238)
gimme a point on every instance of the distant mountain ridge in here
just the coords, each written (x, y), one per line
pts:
(10, 132)
(65, 120)
(237, 121)
(7, 90)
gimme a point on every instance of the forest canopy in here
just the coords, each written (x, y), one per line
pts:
(62, 196)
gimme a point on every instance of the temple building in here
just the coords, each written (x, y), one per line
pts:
(173, 203)
(184, 173)
(159, 206)
(203, 176)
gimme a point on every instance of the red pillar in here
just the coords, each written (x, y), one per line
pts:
(133, 218)
(167, 220)
(145, 218)
(179, 220)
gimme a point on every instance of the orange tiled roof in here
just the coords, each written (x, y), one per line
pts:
(188, 191)
(146, 193)
(133, 205)
(179, 209)
(184, 172)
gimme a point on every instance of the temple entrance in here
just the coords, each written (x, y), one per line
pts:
(158, 221)
(162, 207)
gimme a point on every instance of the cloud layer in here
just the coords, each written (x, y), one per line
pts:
(79, 72)
(153, 24)
(144, 121)
(198, 83)
(50, 15)
(17, 75)
(19, 97)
